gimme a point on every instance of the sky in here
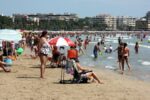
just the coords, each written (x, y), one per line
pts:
(83, 8)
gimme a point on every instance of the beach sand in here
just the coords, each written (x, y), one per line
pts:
(23, 83)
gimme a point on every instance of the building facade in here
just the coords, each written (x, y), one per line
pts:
(47, 17)
(125, 22)
(109, 20)
(148, 20)
(141, 24)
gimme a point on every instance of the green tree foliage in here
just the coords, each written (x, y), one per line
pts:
(5, 22)
(24, 23)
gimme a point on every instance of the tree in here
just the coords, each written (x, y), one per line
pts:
(5, 22)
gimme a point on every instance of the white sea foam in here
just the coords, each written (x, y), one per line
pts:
(110, 67)
(115, 41)
(110, 58)
(109, 40)
(146, 63)
(144, 46)
(92, 55)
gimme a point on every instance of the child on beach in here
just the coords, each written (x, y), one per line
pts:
(3, 63)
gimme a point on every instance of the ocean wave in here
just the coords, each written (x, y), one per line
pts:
(110, 58)
(145, 46)
(110, 67)
(146, 63)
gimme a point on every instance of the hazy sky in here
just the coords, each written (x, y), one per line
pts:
(136, 8)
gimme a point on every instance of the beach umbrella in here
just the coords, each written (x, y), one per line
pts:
(10, 35)
(60, 41)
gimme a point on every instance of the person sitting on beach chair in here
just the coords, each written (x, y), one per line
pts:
(84, 72)
(80, 73)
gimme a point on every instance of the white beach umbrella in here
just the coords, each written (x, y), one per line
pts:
(10, 35)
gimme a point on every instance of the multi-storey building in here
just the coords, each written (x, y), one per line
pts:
(148, 20)
(123, 21)
(109, 20)
(141, 24)
(37, 18)
(47, 17)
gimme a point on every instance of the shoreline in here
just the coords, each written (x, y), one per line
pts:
(128, 74)
(23, 83)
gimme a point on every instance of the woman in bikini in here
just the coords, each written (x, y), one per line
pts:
(126, 54)
(43, 51)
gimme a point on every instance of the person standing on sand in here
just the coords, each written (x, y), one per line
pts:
(35, 47)
(43, 51)
(126, 54)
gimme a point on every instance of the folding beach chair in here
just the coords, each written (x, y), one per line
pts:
(71, 68)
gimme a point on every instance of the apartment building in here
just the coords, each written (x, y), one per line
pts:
(109, 20)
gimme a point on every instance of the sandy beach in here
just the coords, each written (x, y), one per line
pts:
(23, 83)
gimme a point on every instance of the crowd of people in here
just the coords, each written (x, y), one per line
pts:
(39, 46)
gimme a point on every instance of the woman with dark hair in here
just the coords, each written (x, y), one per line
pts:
(43, 50)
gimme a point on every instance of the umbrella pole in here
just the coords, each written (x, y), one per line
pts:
(62, 71)
(62, 79)
(63, 74)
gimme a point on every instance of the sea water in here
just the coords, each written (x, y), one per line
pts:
(140, 63)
